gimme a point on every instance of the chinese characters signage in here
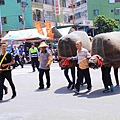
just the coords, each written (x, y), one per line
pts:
(57, 6)
(39, 27)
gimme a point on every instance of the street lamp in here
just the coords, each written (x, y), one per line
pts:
(23, 6)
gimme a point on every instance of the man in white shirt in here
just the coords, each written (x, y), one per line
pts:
(82, 53)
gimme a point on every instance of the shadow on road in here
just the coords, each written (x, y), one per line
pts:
(99, 93)
(3, 101)
(63, 90)
(41, 90)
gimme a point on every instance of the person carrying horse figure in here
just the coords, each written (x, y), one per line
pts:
(67, 45)
(97, 61)
(82, 54)
(64, 62)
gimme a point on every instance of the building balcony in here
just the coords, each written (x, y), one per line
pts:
(67, 11)
(37, 5)
(48, 7)
(81, 1)
(49, 18)
(81, 8)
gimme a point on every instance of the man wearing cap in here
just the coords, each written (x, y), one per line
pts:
(6, 61)
(45, 59)
(33, 54)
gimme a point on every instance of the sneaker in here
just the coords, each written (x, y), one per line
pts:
(13, 96)
(73, 86)
(106, 90)
(41, 88)
(0, 98)
(76, 91)
(89, 89)
(48, 86)
(111, 88)
(69, 85)
(81, 84)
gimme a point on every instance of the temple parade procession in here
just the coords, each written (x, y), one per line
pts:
(59, 66)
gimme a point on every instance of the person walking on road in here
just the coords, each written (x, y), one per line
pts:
(45, 59)
(6, 60)
(71, 84)
(82, 54)
(33, 54)
(17, 58)
(106, 77)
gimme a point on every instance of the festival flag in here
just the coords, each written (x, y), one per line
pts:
(49, 30)
(39, 27)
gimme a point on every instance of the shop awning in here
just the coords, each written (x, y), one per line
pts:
(23, 35)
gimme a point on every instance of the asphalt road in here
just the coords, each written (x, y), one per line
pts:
(58, 103)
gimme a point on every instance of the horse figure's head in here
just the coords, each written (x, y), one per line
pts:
(67, 48)
(95, 61)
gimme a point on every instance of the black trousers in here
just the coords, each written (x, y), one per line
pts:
(81, 74)
(35, 62)
(106, 77)
(17, 61)
(41, 73)
(116, 75)
(8, 76)
(72, 73)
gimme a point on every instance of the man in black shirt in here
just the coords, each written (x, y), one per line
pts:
(5, 71)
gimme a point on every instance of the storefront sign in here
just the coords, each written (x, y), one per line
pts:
(57, 7)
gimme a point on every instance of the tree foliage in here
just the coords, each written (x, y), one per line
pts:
(105, 24)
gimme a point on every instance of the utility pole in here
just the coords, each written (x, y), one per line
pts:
(72, 10)
(54, 16)
(23, 6)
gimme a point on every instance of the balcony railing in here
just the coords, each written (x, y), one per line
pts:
(81, 8)
(37, 5)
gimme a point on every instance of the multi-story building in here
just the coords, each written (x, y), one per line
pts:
(46, 11)
(109, 8)
(13, 13)
(22, 14)
(80, 11)
(86, 11)
(89, 9)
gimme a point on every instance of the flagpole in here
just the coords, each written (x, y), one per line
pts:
(0, 26)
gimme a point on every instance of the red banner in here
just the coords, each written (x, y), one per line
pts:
(57, 6)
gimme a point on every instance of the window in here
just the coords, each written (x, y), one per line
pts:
(34, 0)
(77, 15)
(117, 0)
(20, 18)
(18, 1)
(2, 2)
(96, 12)
(117, 11)
(65, 18)
(63, 3)
(111, 1)
(78, 4)
(4, 20)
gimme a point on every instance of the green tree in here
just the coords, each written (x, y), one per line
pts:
(104, 24)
